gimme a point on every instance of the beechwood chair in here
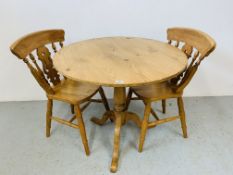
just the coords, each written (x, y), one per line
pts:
(196, 45)
(56, 86)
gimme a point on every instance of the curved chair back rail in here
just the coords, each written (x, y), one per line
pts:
(196, 45)
(41, 65)
(25, 45)
(195, 38)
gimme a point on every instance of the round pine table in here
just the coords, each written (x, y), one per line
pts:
(120, 62)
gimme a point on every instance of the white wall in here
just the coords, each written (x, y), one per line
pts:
(88, 18)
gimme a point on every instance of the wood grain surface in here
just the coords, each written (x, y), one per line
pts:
(120, 61)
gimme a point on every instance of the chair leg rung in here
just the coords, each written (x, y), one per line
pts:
(85, 106)
(135, 98)
(96, 100)
(72, 119)
(62, 121)
(161, 121)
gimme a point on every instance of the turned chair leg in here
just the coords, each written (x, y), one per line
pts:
(104, 99)
(164, 106)
(144, 126)
(72, 108)
(48, 116)
(182, 116)
(152, 112)
(128, 99)
(82, 128)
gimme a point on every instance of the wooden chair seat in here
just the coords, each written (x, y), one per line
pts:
(73, 92)
(156, 91)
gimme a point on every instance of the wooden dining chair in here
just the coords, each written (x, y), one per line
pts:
(35, 50)
(196, 45)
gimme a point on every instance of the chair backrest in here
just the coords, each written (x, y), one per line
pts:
(41, 66)
(196, 45)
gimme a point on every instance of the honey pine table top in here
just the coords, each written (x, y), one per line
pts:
(120, 61)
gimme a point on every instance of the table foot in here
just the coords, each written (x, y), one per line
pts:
(130, 116)
(116, 146)
(107, 115)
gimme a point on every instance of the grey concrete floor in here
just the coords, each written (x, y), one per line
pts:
(24, 149)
